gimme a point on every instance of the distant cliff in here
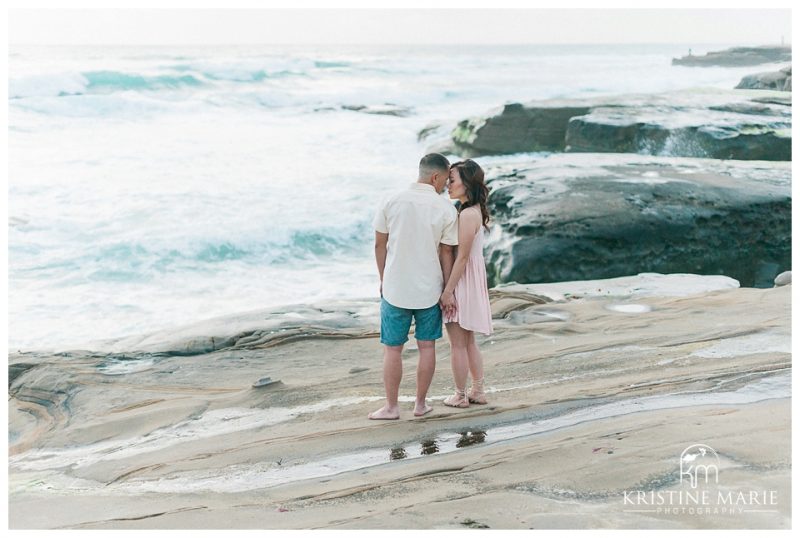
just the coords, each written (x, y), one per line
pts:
(737, 56)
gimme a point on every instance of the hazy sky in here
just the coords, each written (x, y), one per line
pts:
(218, 26)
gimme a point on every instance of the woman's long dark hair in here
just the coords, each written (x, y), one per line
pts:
(477, 192)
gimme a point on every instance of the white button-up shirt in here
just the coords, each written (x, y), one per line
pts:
(417, 221)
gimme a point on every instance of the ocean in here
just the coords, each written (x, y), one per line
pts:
(151, 187)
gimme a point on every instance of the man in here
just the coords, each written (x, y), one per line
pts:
(415, 232)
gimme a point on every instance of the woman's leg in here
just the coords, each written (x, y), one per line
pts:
(459, 362)
(474, 356)
(475, 360)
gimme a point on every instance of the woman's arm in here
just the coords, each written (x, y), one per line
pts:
(468, 223)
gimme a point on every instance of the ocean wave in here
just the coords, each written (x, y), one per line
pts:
(254, 70)
(138, 261)
(109, 81)
(193, 73)
(115, 80)
(95, 82)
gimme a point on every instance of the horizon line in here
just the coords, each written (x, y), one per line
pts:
(405, 44)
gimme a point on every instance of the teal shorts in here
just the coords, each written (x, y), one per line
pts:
(396, 322)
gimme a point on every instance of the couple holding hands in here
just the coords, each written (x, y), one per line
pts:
(430, 261)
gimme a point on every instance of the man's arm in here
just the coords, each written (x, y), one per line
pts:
(446, 259)
(381, 242)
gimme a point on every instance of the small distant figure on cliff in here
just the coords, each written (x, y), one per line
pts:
(690, 52)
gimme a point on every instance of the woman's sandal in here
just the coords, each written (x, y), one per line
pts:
(459, 399)
(476, 393)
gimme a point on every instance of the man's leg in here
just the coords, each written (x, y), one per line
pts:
(428, 329)
(425, 369)
(392, 375)
(395, 323)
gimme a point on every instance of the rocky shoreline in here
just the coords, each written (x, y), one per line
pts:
(707, 123)
(634, 244)
(584, 378)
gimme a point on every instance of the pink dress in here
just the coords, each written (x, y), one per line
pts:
(473, 311)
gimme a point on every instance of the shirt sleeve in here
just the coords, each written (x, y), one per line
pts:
(450, 234)
(379, 222)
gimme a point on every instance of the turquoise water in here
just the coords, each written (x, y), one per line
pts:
(152, 187)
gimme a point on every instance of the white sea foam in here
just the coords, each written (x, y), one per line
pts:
(47, 85)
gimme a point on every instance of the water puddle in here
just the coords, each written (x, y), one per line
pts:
(250, 477)
(438, 445)
(630, 308)
(122, 367)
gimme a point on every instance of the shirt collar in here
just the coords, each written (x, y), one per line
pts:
(422, 187)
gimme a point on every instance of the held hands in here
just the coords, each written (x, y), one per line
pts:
(448, 303)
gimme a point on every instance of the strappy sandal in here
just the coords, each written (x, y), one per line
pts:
(476, 392)
(459, 399)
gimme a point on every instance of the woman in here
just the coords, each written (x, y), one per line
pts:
(466, 287)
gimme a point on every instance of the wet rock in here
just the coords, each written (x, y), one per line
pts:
(266, 382)
(783, 279)
(737, 56)
(670, 132)
(474, 524)
(575, 217)
(775, 99)
(519, 128)
(722, 124)
(773, 80)
(387, 109)
(16, 370)
(428, 131)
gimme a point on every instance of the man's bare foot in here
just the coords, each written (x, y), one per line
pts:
(419, 411)
(385, 413)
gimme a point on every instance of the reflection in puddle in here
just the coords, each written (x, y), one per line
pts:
(398, 453)
(471, 438)
(444, 443)
(429, 447)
